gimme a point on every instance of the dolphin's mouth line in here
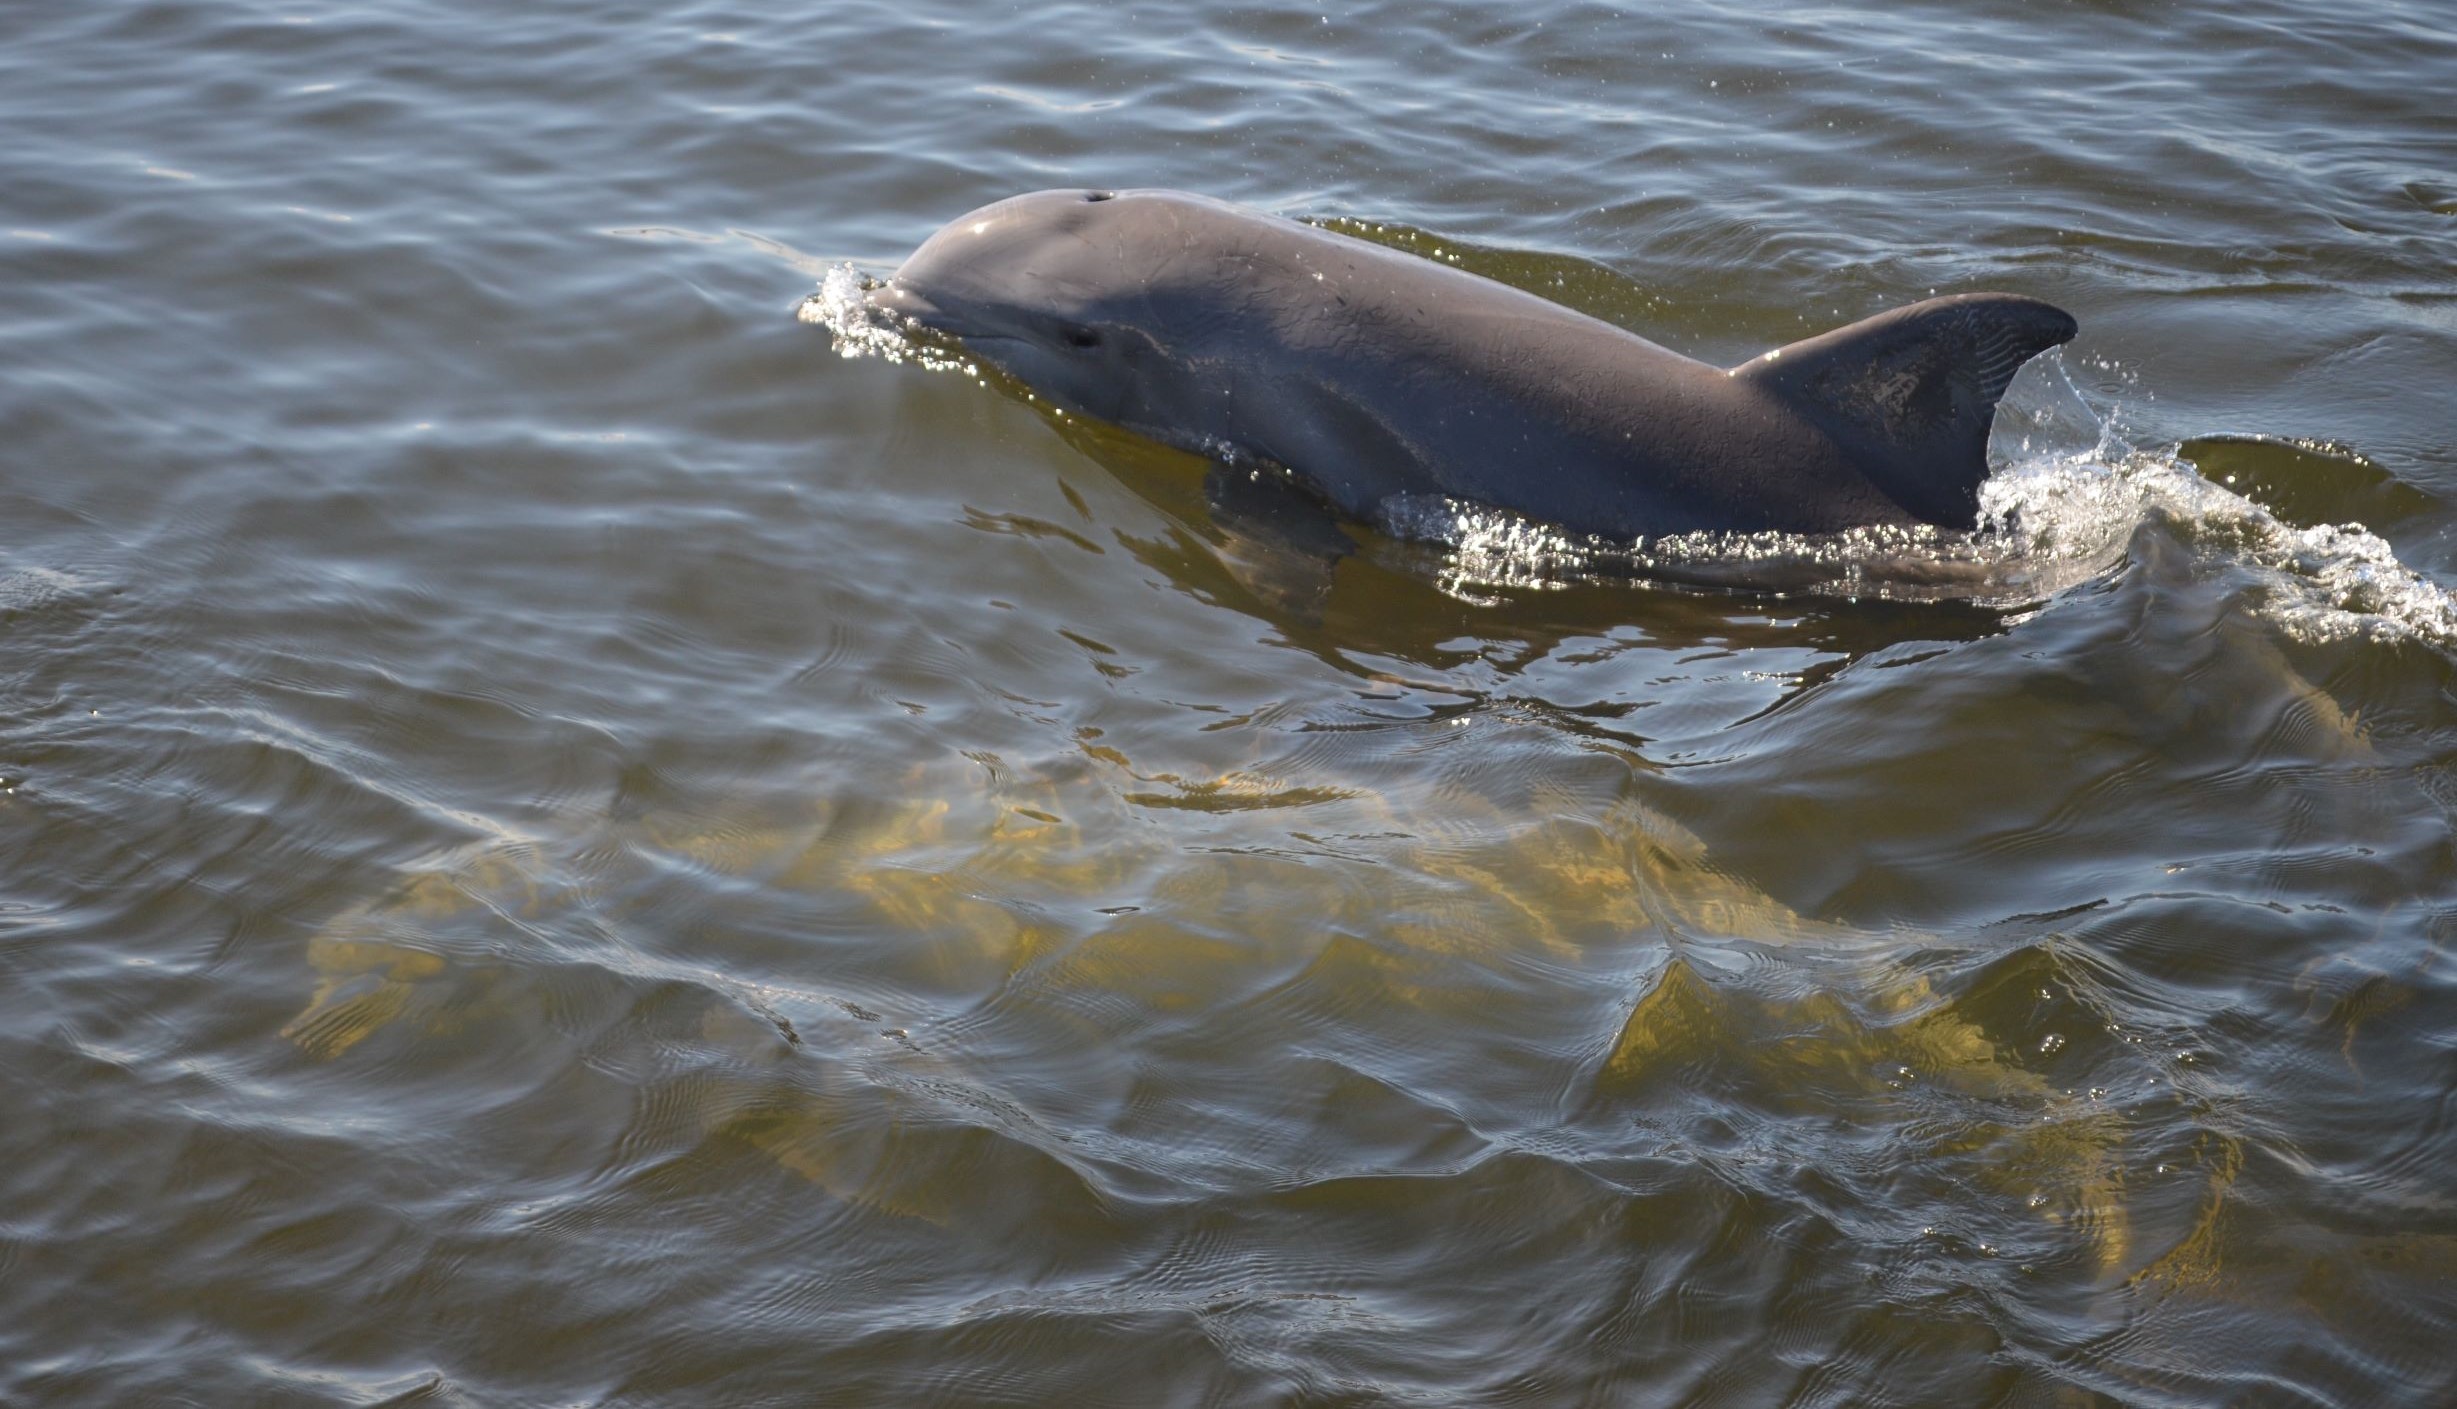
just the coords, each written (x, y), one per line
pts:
(931, 318)
(921, 313)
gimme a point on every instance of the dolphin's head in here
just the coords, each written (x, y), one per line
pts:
(1067, 291)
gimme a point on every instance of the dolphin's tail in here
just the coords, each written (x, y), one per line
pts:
(1909, 394)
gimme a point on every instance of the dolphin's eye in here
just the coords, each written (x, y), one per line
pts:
(1078, 335)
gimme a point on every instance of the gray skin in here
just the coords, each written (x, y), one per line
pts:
(1369, 373)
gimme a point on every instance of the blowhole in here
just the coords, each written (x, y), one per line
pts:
(1100, 195)
(1080, 336)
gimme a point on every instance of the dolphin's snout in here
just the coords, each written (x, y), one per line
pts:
(906, 302)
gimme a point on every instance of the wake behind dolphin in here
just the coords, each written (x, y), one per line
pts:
(1374, 376)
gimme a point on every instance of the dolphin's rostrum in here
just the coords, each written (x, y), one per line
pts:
(1369, 373)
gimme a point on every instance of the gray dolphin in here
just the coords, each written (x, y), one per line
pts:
(1369, 373)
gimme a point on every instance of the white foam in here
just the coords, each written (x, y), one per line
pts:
(30, 589)
(2327, 582)
(2049, 523)
(1486, 551)
(863, 329)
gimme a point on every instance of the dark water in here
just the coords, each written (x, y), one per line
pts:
(565, 844)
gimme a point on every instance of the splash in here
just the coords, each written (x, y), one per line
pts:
(2327, 582)
(2050, 520)
(1487, 552)
(1483, 552)
(862, 329)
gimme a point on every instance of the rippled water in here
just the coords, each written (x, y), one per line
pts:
(565, 843)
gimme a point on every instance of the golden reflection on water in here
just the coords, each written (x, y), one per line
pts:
(970, 891)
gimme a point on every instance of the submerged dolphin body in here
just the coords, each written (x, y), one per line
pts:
(1369, 373)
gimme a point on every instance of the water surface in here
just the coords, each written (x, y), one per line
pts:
(565, 843)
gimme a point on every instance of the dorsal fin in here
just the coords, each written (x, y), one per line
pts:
(1909, 394)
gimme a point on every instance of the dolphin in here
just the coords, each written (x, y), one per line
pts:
(1367, 373)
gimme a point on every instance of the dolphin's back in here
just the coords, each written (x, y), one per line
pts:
(1388, 373)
